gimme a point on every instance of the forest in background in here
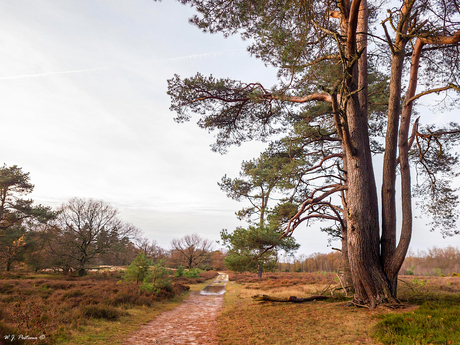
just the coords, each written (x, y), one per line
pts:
(86, 234)
(432, 262)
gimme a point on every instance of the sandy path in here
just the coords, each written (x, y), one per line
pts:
(192, 322)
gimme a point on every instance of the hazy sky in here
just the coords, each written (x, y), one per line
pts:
(84, 109)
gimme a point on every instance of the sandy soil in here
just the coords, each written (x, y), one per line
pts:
(192, 322)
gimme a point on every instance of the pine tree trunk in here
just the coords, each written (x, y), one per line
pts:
(345, 261)
(260, 270)
(370, 282)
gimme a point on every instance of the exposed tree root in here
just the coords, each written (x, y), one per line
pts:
(389, 305)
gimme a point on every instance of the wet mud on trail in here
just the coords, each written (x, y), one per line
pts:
(192, 322)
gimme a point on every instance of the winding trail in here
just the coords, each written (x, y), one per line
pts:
(192, 322)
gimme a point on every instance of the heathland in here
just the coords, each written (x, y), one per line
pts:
(102, 308)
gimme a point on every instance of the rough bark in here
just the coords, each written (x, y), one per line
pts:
(260, 270)
(345, 260)
(370, 283)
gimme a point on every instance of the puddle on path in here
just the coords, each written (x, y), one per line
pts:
(213, 290)
(192, 322)
(217, 287)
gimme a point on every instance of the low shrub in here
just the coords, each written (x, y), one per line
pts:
(102, 312)
(193, 273)
(56, 306)
(72, 294)
(138, 269)
(434, 322)
(202, 277)
(179, 272)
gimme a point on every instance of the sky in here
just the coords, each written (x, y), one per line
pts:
(84, 110)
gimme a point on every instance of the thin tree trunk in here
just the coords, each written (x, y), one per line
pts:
(388, 240)
(393, 266)
(345, 260)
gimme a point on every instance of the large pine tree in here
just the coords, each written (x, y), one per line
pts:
(324, 51)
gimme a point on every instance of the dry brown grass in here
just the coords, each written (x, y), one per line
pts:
(53, 306)
(416, 289)
(245, 321)
(281, 279)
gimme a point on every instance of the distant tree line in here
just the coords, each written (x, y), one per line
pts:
(432, 262)
(316, 262)
(81, 234)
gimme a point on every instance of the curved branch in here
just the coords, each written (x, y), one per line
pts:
(335, 155)
(294, 221)
(439, 89)
(412, 136)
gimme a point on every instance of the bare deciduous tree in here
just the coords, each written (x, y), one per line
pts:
(193, 249)
(149, 248)
(85, 229)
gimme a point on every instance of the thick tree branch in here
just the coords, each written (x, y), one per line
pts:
(441, 40)
(312, 97)
(295, 220)
(352, 25)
